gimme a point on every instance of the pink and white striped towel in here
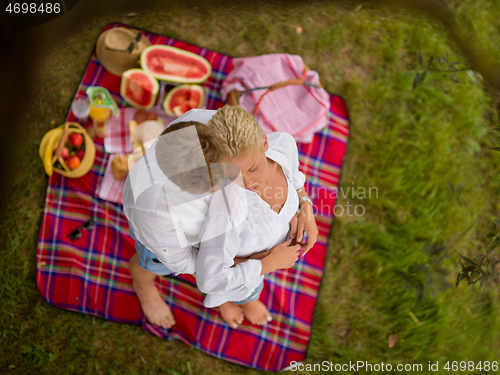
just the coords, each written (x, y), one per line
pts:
(111, 189)
(298, 110)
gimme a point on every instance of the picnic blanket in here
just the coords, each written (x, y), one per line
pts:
(90, 274)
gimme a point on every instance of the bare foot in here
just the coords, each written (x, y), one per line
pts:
(154, 307)
(256, 313)
(232, 314)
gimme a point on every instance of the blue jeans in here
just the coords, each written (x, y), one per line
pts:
(148, 259)
(252, 297)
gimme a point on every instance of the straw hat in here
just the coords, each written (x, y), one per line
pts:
(112, 48)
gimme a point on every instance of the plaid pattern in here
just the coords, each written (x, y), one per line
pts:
(90, 274)
(298, 110)
(110, 188)
(119, 140)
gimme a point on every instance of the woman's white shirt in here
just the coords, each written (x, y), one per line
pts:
(240, 223)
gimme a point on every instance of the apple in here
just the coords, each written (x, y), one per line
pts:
(64, 152)
(73, 162)
(75, 139)
(80, 154)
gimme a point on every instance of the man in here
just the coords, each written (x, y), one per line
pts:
(166, 198)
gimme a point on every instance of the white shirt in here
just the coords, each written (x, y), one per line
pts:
(261, 229)
(165, 219)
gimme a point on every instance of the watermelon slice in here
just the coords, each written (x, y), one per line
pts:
(182, 99)
(175, 65)
(139, 88)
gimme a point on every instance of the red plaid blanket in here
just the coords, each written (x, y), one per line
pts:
(90, 274)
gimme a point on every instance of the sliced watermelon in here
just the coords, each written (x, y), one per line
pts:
(182, 99)
(175, 65)
(139, 88)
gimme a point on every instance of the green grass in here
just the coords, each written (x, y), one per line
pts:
(406, 144)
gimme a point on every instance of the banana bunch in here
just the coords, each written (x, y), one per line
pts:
(47, 146)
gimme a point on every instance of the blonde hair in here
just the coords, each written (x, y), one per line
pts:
(238, 129)
(180, 162)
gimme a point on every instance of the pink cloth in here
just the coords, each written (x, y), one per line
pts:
(298, 110)
(111, 189)
(119, 140)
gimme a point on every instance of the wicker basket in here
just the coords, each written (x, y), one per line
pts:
(88, 159)
(234, 96)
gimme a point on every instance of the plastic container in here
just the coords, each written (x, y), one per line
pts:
(81, 109)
